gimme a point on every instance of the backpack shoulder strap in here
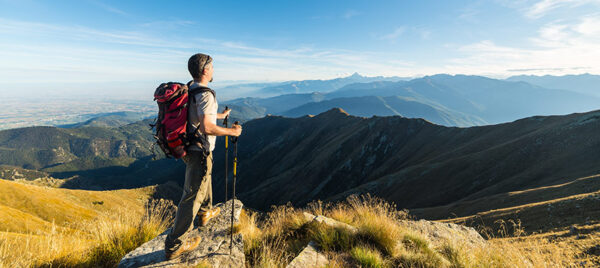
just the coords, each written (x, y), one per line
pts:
(201, 89)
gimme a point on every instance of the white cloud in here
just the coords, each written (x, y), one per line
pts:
(590, 26)
(350, 13)
(75, 54)
(395, 34)
(557, 49)
(110, 8)
(541, 8)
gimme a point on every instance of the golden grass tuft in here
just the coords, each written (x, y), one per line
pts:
(368, 258)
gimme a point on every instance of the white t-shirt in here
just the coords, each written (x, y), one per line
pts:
(206, 104)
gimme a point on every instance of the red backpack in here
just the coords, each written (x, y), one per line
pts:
(173, 131)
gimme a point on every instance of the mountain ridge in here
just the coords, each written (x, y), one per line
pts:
(359, 159)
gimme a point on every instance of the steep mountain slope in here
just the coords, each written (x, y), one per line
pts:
(368, 106)
(582, 83)
(409, 161)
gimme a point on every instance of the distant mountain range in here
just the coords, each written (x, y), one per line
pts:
(448, 100)
(265, 90)
(324, 86)
(368, 106)
(582, 83)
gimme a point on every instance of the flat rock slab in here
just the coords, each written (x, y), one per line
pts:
(308, 258)
(213, 250)
(329, 221)
(439, 232)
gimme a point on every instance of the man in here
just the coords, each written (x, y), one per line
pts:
(197, 189)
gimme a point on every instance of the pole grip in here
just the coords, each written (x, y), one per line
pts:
(233, 138)
(226, 117)
(234, 166)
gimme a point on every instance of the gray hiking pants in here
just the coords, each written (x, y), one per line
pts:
(197, 195)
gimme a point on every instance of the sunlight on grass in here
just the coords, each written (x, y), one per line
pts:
(101, 242)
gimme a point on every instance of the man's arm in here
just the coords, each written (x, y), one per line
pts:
(206, 126)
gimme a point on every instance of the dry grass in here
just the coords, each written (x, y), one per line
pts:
(115, 236)
(382, 242)
(99, 237)
(50, 235)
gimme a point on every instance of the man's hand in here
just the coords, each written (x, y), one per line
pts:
(237, 130)
(224, 114)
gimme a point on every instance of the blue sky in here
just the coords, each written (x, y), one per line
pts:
(91, 45)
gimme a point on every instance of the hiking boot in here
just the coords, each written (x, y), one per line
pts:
(187, 246)
(207, 215)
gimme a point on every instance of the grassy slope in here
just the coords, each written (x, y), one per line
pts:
(33, 209)
(54, 227)
(539, 209)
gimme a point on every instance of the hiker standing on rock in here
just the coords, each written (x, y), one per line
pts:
(197, 189)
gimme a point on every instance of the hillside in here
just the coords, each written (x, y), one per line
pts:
(398, 158)
(115, 119)
(90, 157)
(35, 209)
(51, 147)
(540, 209)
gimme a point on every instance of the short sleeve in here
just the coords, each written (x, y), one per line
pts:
(206, 103)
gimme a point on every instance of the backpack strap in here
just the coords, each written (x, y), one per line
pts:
(193, 134)
(201, 89)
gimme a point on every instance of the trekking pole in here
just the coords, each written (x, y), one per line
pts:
(226, 153)
(234, 141)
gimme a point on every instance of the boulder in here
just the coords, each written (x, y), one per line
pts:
(309, 257)
(213, 250)
(439, 233)
(329, 221)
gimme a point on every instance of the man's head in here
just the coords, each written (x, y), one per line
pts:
(201, 68)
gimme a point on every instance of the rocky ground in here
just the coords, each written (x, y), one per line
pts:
(214, 250)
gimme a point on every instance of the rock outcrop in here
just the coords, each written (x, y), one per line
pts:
(438, 232)
(309, 257)
(329, 221)
(213, 250)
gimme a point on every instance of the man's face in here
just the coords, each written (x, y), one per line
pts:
(208, 71)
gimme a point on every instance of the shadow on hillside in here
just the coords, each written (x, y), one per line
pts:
(142, 172)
